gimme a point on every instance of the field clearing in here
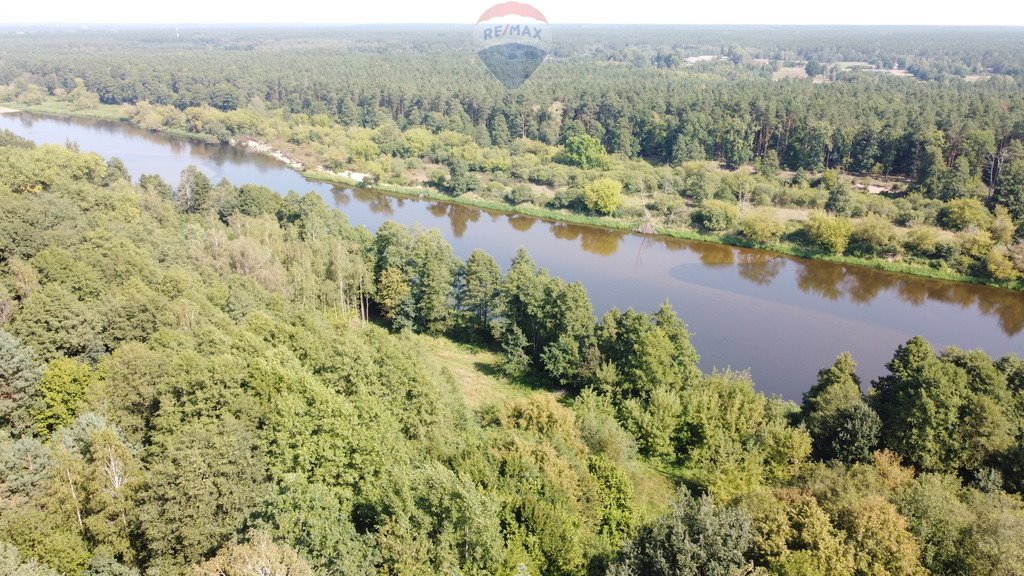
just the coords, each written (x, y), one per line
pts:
(790, 72)
(475, 370)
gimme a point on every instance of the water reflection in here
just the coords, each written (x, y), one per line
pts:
(761, 268)
(376, 202)
(826, 280)
(714, 254)
(459, 216)
(521, 223)
(564, 231)
(601, 242)
(341, 196)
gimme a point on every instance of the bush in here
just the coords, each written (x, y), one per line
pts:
(519, 194)
(964, 213)
(999, 266)
(874, 236)
(568, 198)
(669, 206)
(762, 227)
(830, 233)
(716, 215)
(603, 195)
(763, 194)
(803, 197)
(922, 241)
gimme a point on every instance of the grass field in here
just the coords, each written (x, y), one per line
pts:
(475, 369)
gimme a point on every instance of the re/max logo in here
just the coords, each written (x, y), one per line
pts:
(521, 30)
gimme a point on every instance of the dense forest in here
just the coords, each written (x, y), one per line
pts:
(902, 147)
(207, 378)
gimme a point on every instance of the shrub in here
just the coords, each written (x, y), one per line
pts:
(964, 213)
(603, 195)
(830, 233)
(519, 194)
(716, 215)
(762, 227)
(874, 236)
(569, 198)
(922, 241)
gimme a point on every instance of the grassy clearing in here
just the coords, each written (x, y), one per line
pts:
(475, 371)
(654, 489)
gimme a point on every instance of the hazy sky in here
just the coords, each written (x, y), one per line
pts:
(974, 12)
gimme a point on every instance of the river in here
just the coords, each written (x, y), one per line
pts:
(782, 318)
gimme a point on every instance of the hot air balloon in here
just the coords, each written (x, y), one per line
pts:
(512, 40)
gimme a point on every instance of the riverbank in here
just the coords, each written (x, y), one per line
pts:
(625, 225)
(117, 113)
(108, 112)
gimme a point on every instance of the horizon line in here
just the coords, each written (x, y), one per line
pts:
(81, 25)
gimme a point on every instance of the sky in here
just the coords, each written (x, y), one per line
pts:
(938, 12)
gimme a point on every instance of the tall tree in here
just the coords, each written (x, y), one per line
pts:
(1010, 188)
(19, 383)
(839, 420)
(480, 282)
(193, 193)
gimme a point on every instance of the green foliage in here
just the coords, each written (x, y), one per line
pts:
(12, 563)
(116, 172)
(874, 236)
(943, 412)
(768, 165)
(193, 192)
(716, 215)
(61, 389)
(211, 475)
(19, 382)
(603, 195)
(54, 322)
(697, 537)
(732, 439)
(480, 283)
(8, 138)
(840, 197)
(255, 200)
(212, 403)
(519, 194)
(584, 151)
(1010, 188)
(836, 415)
(964, 213)
(260, 555)
(762, 227)
(513, 343)
(156, 185)
(829, 233)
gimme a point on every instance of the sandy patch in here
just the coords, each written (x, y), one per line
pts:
(4, 110)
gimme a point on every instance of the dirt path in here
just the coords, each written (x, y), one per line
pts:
(7, 110)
